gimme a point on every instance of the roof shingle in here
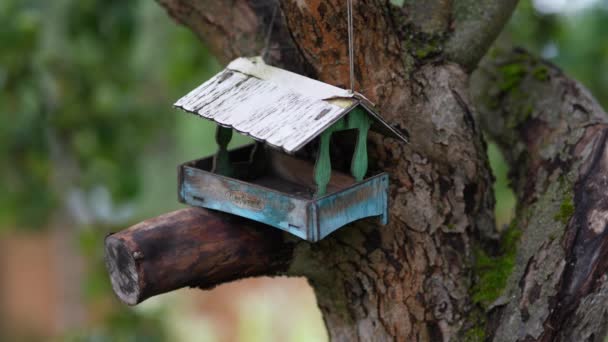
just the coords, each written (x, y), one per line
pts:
(272, 105)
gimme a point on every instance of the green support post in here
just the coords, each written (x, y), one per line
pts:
(221, 163)
(357, 119)
(360, 120)
(323, 165)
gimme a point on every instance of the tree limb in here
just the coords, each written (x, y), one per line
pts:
(476, 24)
(191, 247)
(554, 135)
(460, 31)
(239, 28)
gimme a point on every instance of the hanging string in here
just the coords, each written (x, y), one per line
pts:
(269, 33)
(351, 53)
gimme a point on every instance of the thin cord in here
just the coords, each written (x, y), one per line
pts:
(351, 53)
(269, 33)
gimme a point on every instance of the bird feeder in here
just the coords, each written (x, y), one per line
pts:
(266, 181)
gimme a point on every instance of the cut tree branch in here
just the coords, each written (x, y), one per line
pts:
(191, 247)
(554, 135)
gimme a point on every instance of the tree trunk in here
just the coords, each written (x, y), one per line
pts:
(433, 273)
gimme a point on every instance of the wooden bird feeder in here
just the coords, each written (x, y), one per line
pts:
(265, 182)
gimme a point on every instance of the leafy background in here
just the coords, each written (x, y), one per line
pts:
(89, 144)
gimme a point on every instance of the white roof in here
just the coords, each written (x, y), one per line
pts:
(278, 107)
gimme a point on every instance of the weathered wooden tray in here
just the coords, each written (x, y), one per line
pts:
(283, 196)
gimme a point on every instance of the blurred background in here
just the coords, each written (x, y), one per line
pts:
(89, 144)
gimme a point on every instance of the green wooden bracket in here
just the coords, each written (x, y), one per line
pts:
(221, 162)
(356, 119)
(360, 120)
(259, 162)
(323, 165)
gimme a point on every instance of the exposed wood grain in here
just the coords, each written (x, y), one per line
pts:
(302, 172)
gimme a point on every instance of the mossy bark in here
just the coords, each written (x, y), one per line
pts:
(553, 133)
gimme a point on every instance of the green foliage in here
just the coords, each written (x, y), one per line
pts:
(122, 326)
(118, 322)
(79, 110)
(24, 118)
(85, 101)
(505, 198)
(575, 42)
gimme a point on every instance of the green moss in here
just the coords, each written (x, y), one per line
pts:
(541, 73)
(476, 332)
(427, 50)
(529, 110)
(493, 271)
(423, 45)
(566, 210)
(552, 236)
(511, 75)
(493, 102)
(520, 114)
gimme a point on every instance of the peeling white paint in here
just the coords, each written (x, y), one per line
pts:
(283, 109)
(256, 67)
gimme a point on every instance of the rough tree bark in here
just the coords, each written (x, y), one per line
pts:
(554, 134)
(423, 276)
